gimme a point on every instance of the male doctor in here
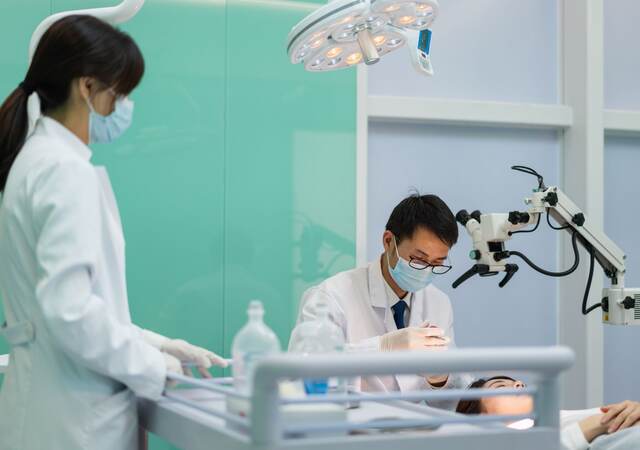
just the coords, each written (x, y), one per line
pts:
(391, 305)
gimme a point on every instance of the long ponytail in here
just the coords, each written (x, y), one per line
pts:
(13, 129)
(73, 47)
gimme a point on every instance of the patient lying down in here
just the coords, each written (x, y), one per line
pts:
(578, 428)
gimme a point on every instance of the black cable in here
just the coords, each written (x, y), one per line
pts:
(574, 244)
(530, 171)
(592, 260)
(525, 169)
(527, 231)
(556, 228)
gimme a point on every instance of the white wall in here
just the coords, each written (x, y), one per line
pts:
(621, 54)
(500, 50)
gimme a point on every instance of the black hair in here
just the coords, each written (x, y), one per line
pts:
(473, 406)
(73, 47)
(427, 211)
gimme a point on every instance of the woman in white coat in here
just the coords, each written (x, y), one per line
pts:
(77, 361)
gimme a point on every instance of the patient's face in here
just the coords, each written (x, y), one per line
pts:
(506, 405)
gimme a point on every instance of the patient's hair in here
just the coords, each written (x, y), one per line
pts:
(473, 406)
(427, 211)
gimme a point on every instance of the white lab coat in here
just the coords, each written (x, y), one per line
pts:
(77, 361)
(360, 303)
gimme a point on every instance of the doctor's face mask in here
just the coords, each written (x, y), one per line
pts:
(407, 277)
(415, 271)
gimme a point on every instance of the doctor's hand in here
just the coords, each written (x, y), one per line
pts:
(414, 338)
(620, 415)
(189, 354)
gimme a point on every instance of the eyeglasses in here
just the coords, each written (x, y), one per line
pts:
(436, 269)
(418, 264)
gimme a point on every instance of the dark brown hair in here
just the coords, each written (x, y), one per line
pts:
(473, 406)
(73, 47)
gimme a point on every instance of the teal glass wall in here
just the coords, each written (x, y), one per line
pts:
(290, 168)
(237, 179)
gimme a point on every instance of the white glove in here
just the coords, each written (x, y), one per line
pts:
(186, 353)
(437, 381)
(173, 366)
(414, 338)
(202, 358)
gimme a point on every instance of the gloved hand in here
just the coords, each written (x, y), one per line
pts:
(437, 381)
(414, 338)
(173, 366)
(186, 353)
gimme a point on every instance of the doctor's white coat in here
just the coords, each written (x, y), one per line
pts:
(76, 358)
(360, 303)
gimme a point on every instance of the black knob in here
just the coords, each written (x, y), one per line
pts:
(463, 217)
(629, 303)
(499, 256)
(551, 198)
(578, 219)
(475, 254)
(476, 215)
(516, 217)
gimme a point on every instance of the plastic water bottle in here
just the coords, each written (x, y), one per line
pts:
(254, 341)
(318, 336)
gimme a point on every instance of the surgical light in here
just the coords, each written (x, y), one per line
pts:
(406, 20)
(364, 30)
(335, 51)
(354, 58)
(317, 43)
(379, 40)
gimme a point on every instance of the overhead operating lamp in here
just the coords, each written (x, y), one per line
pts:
(344, 33)
(114, 15)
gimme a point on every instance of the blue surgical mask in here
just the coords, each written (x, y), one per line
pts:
(408, 278)
(106, 129)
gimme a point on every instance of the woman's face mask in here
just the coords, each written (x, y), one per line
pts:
(106, 129)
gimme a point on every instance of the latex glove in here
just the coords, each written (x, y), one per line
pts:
(154, 339)
(173, 366)
(620, 415)
(413, 338)
(439, 344)
(188, 354)
(437, 381)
